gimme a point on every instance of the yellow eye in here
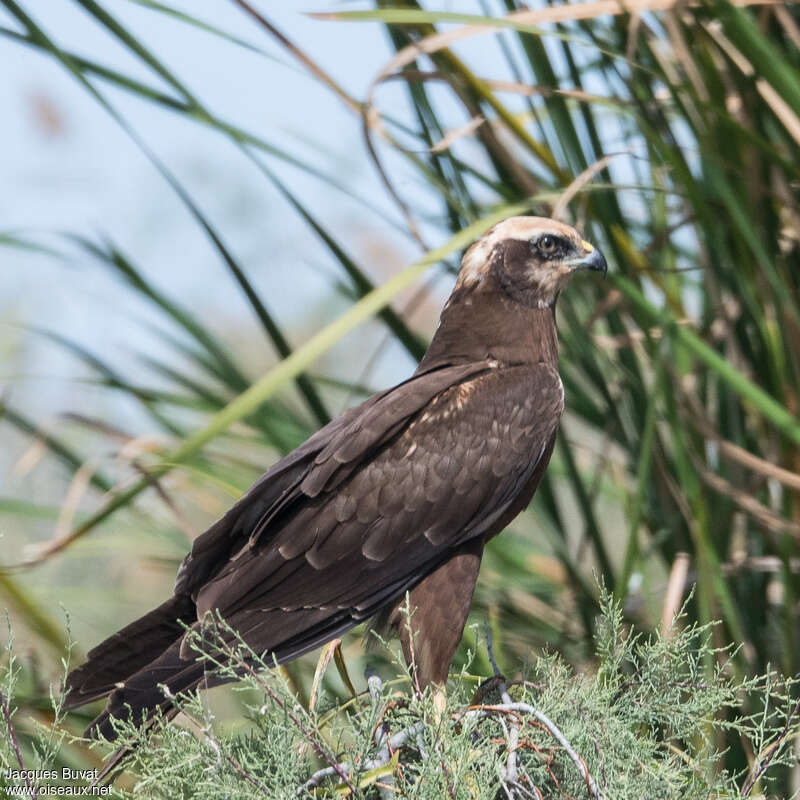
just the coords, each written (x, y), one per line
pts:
(547, 244)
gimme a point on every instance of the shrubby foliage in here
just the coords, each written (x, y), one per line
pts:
(651, 719)
(671, 137)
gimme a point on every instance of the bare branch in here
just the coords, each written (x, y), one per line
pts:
(511, 773)
(525, 708)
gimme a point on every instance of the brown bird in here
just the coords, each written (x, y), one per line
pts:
(398, 495)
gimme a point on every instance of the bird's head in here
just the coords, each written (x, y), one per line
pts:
(531, 258)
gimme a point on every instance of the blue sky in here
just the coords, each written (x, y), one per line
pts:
(66, 166)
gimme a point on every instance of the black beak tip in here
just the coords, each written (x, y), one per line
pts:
(597, 262)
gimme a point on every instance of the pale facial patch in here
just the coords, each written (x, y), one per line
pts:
(551, 280)
(477, 260)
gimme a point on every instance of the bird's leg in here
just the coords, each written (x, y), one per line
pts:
(439, 605)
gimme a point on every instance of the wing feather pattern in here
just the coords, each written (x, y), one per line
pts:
(364, 510)
(450, 467)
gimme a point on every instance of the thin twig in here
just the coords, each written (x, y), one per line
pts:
(525, 708)
(383, 757)
(761, 765)
(511, 774)
(408, 614)
(211, 740)
(321, 751)
(375, 687)
(596, 746)
(15, 744)
(538, 792)
(319, 776)
(450, 788)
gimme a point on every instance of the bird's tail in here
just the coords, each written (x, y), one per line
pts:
(144, 697)
(133, 668)
(129, 651)
(150, 690)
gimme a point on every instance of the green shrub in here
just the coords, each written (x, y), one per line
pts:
(648, 721)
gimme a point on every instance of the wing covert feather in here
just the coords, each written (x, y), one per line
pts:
(450, 472)
(310, 468)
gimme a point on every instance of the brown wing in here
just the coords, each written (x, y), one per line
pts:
(325, 459)
(369, 516)
(347, 523)
(254, 520)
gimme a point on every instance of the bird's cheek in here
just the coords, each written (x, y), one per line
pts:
(550, 279)
(554, 279)
(564, 274)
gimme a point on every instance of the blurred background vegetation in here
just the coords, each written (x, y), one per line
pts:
(670, 134)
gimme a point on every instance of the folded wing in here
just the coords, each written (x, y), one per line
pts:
(340, 528)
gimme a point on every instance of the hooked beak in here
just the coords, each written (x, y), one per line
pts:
(592, 259)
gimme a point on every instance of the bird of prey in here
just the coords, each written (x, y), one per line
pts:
(398, 495)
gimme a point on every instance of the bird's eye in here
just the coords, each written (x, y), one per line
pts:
(547, 244)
